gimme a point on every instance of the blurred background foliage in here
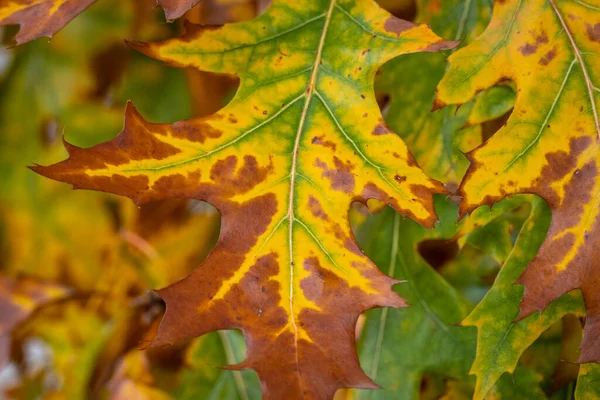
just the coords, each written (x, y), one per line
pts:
(76, 267)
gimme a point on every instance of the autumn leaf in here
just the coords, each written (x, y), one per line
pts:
(438, 139)
(500, 339)
(549, 146)
(38, 18)
(403, 349)
(301, 140)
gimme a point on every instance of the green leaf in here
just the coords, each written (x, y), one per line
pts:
(399, 346)
(201, 379)
(501, 340)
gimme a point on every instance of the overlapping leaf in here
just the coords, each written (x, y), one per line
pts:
(39, 18)
(47, 88)
(400, 348)
(549, 146)
(437, 139)
(300, 141)
(501, 340)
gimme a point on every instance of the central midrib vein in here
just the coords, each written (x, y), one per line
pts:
(290, 214)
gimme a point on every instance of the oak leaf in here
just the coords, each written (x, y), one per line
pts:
(438, 139)
(427, 340)
(300, 141)
(549, 146)
(500, 339)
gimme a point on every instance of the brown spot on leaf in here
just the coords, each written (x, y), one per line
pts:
(400, 178)
(315, 208)
(530, 48)
(340, 177)
(396, 25)
(593, 32)
(195, 130)
(381, 128)
(548, 57)
(559, 165)
(319, 140)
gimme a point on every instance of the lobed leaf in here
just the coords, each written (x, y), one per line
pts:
(402, 349)
(435, 139)
(301, 140)
(549, 146)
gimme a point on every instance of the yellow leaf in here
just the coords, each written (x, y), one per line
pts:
(302, 139)
(549, 146)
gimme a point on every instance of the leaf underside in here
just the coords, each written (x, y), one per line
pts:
(302, 139)
(549, 146)
(38, 18)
